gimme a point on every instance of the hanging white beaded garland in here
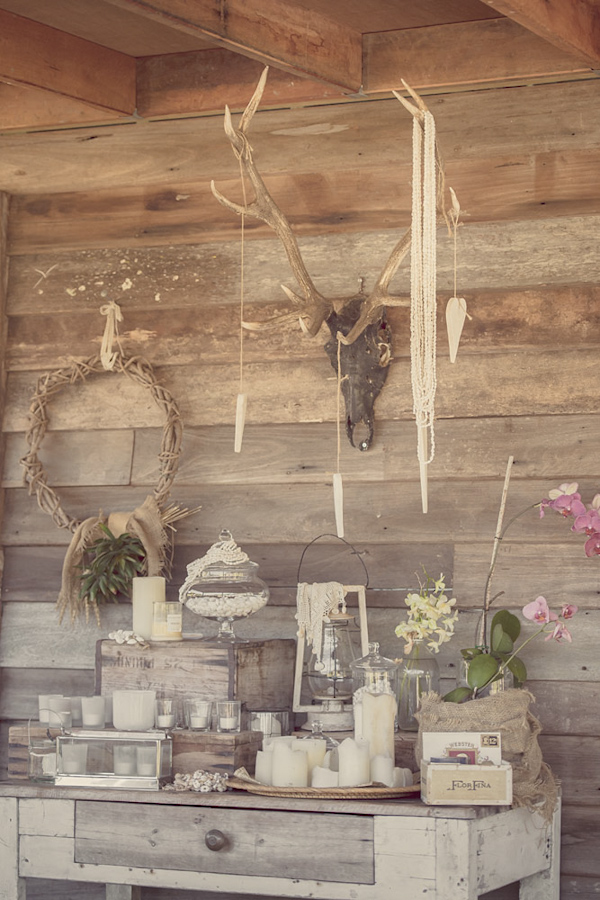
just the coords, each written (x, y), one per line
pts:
(423, 309)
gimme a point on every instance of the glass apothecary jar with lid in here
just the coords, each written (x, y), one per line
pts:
(224, 585)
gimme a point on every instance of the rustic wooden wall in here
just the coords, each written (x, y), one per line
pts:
(125, 213)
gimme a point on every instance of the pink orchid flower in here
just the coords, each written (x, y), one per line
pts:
(538, 611)
(592, 545)
(568, 610)
(560, 633)
(589, 522)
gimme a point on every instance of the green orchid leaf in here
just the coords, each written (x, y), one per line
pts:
(500, 640)
(517, 667)
(482, 670)
(458, 695)
(510, 624)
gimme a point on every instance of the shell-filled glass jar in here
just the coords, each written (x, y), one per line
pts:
(224, 585)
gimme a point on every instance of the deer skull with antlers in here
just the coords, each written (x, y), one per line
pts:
(357, 323)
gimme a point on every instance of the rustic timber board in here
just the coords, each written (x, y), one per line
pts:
(499, 319)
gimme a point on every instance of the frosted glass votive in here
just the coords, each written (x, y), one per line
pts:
(92, 712)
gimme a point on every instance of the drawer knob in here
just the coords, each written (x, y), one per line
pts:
(215, 839)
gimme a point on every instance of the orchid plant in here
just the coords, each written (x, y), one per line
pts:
(431, 615)
(487, 665)
(488, 661)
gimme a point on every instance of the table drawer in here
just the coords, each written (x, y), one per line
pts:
(317, 846)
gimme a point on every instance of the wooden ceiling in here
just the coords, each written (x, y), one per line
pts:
(70, 63)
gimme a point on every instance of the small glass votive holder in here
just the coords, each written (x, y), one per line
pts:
(42, 760)
(76, 719)
(73, 758)
(229, 716)
(92, 712)
(198, 713)
(60, 711)
(44, 709)
(165, 713)
(125, 759)
(146, 760)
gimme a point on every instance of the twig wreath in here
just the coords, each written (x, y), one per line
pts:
(149, 521)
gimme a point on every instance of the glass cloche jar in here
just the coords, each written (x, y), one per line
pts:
(224, 585)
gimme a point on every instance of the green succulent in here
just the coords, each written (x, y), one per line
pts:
(109, 565)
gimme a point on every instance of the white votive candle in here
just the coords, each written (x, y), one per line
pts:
(44, 708)
(228, 723)
(165, 721)
(198, 721)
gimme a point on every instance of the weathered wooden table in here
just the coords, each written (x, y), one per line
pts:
(247, 844)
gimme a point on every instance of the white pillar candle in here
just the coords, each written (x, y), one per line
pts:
(323, 778)
(269, 741)
(354, 762)
(378, 715)
(263, 769)
(315, 749)
(382, 770)
(402, 778)
(146, 591)
(290, 767)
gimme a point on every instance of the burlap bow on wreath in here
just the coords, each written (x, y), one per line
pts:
(149, 522)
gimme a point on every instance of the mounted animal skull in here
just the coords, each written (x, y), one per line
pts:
(357, 322)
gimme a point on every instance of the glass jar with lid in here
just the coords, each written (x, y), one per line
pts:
(224, 585)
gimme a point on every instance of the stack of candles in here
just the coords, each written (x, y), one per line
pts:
(306, 762)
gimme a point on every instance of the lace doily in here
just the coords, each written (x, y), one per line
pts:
(314, 603)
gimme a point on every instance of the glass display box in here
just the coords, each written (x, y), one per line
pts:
(136, 760)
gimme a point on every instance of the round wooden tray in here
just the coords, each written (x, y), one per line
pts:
(365, 792)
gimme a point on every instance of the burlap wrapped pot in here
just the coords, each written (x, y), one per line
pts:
(508, 712)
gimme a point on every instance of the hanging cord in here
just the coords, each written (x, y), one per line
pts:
(113, 314)
(339, 403)
(347, 543)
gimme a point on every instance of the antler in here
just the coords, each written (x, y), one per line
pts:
(312, 308)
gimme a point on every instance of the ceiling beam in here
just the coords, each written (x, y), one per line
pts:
(274, 32)
(471, 54)
(571, 25)
(37, 56)
(204, 81)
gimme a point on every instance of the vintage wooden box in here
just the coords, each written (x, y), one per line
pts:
(259, 673)
(453, 784)
(214, 752)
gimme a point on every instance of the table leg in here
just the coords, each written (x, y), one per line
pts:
(12, 887)
(546, 885)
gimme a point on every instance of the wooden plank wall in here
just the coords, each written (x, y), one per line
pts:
(126, 214)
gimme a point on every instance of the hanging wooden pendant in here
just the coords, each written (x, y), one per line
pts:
(456, 313)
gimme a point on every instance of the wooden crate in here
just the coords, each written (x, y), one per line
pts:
(259, 673)
(215, 752)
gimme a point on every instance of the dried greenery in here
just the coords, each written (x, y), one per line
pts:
(109, 565)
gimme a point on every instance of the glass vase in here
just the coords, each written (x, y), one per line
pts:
(418, 673)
